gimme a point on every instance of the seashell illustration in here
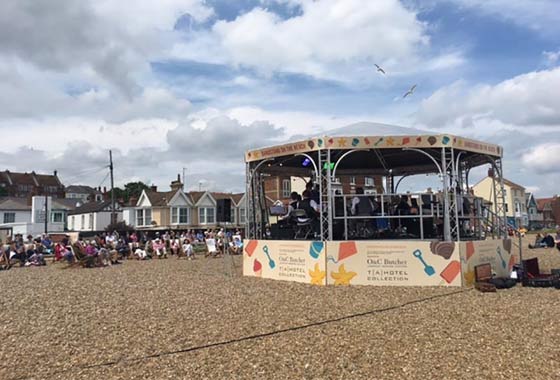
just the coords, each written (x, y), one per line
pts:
(443, 248)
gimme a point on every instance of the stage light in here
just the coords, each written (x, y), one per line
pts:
(306, 162)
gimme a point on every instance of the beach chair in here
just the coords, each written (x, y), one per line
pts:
(211, 247)
(532, 276)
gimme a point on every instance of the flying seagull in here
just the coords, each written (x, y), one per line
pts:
(410, 92)
(379, 69)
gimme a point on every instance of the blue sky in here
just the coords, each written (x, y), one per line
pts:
(140, 78)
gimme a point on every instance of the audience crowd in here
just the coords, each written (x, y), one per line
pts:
(111, 248)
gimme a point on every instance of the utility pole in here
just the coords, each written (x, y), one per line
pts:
(113, 219)
(46, 213)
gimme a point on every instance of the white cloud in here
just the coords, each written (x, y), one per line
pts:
(526, 100)
(104, 38)
(552, 58)
(540, 15)
(331, 39)
(543, 158)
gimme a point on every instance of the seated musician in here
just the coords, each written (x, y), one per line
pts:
(361, 205)
(295, 199)
(311, 209)
(403, 208)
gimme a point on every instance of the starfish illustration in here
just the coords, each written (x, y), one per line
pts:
(317, 275)
(469, 277)
(342, 277)
(341, 142)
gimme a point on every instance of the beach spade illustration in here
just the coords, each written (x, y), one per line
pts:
(432, 140)
(310, 144)
(315, 249)
(445, 140)
(271, 262)
(499, 252)
(355, 141)
(428, 269)
(320, 142)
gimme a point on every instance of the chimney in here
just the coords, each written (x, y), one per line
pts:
(153, 188)
(176, 185)
(105, 189)
(55, 173)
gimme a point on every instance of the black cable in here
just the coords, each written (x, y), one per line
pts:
(253, 337)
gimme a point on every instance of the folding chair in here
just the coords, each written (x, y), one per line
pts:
(211, 246)
(303, 225)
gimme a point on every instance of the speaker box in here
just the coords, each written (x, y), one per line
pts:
(223, 210)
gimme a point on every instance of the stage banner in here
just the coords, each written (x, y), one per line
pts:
(496, 252)
(299, 261)
(393, 263)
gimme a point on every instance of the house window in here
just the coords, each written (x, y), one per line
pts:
(286, 188)
(179, 215)
(352, 180)
(207, 215)
(144, 217)
(83, 222)
(56, 217)
(368, 181)
(90, 227)
(506, 208)
(242, 216)
(9, 217)
(71, 223)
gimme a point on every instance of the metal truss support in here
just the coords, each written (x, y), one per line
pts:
(499, 199)
(445, 188)
(325, 190)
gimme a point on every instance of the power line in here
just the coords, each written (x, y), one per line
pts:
(254, 337)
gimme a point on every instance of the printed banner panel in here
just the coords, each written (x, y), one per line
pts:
(496, 252)
(374, 142)
(393, 263)
(299, 261)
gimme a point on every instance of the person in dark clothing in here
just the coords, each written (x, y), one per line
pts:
(403, 208)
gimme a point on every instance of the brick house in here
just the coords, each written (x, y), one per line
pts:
(27, 185)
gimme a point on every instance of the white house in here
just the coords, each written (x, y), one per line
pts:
(92, 216)
(83, 193)
(17, 216)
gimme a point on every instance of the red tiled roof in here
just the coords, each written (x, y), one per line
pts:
(160, 198)
(543, 202)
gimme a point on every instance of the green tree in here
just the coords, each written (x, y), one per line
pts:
(131, 189)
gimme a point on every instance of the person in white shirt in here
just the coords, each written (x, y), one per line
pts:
(188, 249)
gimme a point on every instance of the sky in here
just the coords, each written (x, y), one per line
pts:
(193, 84)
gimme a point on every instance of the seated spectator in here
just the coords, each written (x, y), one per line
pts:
(188, 249)
(548, 240)
(236, 246)
(175, 246)
(59, 251)
(539, 242)
(159, 249)
(36, 259)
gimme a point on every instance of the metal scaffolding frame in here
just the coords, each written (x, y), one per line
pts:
(452, 171)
